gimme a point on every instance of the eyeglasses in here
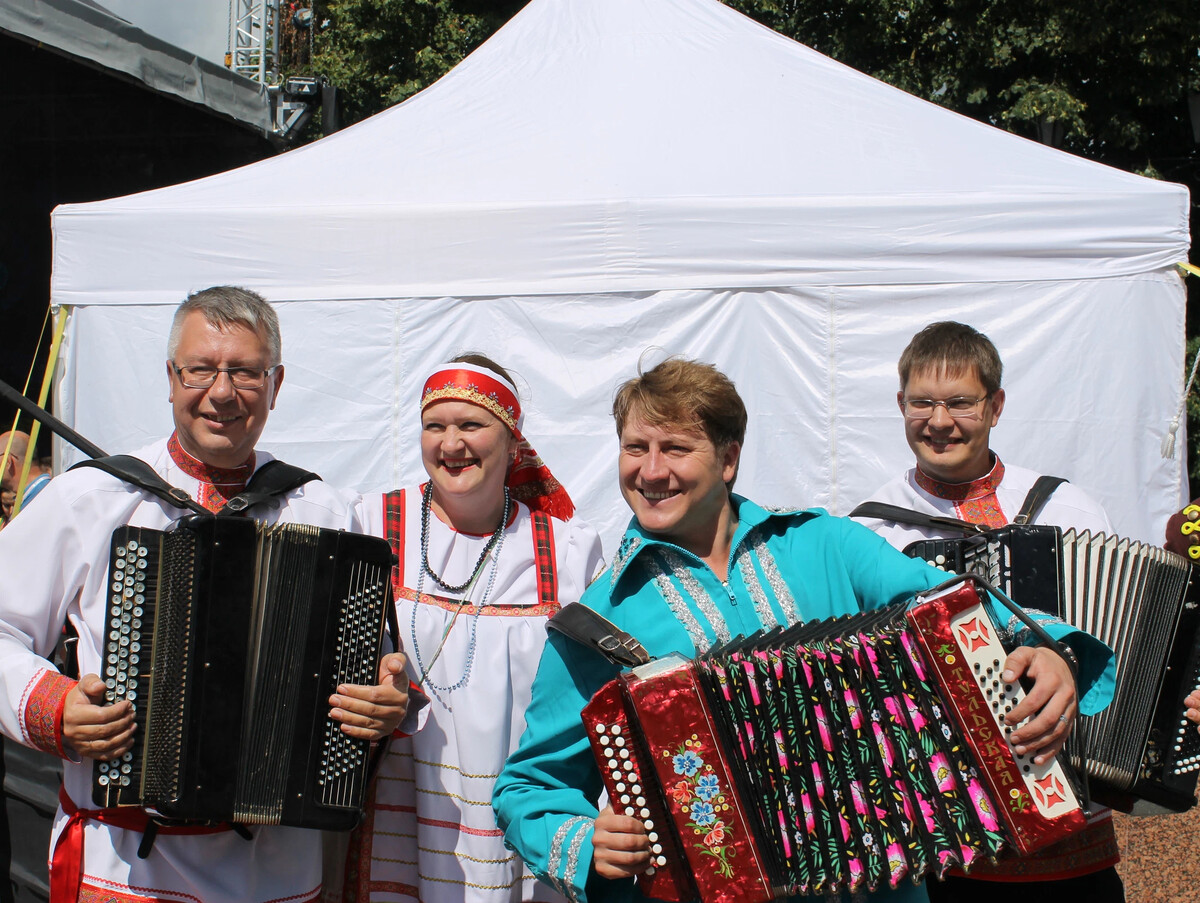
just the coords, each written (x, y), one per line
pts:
(961, 407)
(240, 377)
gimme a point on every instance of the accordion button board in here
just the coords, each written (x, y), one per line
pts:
(229, 637)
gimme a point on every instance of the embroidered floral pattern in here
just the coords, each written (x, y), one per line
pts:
(701, 799)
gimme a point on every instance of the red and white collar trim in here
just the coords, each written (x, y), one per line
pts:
(205, 473)
(961, 492)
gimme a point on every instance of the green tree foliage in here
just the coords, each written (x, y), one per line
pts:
(1114, 76)
(381, 52)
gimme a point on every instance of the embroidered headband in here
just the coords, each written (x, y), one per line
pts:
(529, 479)
(478, 386)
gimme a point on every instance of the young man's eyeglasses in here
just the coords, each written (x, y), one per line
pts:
(961, 407)
(240, 377)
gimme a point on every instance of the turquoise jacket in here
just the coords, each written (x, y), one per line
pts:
(784, 566)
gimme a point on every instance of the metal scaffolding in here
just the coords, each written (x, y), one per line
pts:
(254, 39)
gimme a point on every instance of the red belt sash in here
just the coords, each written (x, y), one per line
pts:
(66, 861)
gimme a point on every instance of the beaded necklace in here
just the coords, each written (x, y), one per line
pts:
(496, 542)
(497, 535)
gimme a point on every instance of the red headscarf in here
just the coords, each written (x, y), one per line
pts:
(529, 479)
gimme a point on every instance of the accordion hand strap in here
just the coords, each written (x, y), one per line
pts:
(581, 624)
(899, 515)
(1061, 649)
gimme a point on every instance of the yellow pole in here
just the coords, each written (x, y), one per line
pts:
(60, 325)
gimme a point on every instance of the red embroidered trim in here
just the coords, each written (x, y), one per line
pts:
(500, 611)
(957, 492)
(985, 511)
(217, 484)
(43, 712)
(91, 894)
(974, 501)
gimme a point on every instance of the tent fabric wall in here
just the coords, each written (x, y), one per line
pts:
(604, 177)
(817, 368)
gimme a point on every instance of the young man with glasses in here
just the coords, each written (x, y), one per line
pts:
(224, 374)
(950, 397)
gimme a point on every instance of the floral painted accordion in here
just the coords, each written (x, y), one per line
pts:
(1143, 755)
(846, 754)
(229, 637)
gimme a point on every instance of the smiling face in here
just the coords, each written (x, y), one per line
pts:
(220, 425)
(674, 479)
(953, 451)
(466, 451)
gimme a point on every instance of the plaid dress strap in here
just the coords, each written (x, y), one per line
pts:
(543, 556)
(393, 532)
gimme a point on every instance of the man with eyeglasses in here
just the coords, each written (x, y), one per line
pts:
(224, 374)
(950, 397)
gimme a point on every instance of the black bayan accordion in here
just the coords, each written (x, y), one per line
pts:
(229, 636)
(1142, 754)
(846, 754)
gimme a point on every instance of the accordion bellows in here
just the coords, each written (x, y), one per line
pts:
(848, 754)
(229, 636)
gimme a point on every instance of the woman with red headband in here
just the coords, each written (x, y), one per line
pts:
(487, 553)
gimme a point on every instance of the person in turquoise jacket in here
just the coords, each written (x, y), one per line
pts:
(698, 566)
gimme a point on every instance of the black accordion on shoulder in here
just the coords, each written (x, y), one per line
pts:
(229, 636)
(1141, 600)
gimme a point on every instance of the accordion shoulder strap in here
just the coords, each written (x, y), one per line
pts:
(899, 515)
(1041, 490)
(581, 624)
(272, 479)
(138, 473)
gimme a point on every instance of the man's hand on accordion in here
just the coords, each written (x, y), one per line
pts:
(1050, 702)
(372, 713)
(92, 729)
(1192, 712)
(620, 845)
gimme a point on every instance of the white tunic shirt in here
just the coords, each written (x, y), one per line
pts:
(432, 834)
(54, 566)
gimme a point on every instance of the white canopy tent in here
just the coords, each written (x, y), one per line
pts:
(607, 176)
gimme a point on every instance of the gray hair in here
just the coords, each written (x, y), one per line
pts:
(227, 305)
